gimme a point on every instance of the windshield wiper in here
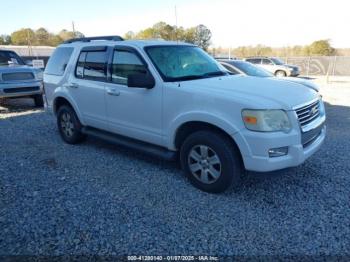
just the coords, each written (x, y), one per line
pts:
(184, 78)
(215, 73)
(193, 77)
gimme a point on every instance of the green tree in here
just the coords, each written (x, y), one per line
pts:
(199, 35)
(25, 36)
(160, 30)
(54, 40)
(321, 47)
(202, 36)
(129, 35)
(5, 40)
(42, 36)
(66, 35)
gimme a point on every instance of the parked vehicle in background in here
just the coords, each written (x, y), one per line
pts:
(245, 68)
(275, 65)
(173, 100)
(18, 80)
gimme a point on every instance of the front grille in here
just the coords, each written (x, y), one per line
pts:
(21, 76)
(309, 113)
(21, 89)
(309, 141)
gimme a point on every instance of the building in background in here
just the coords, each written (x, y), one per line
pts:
(31, 52)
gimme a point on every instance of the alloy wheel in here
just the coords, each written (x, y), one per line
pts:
(204, 164)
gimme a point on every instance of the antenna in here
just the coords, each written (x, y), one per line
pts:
(177, 40)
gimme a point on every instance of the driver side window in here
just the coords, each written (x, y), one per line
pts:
(126, 63)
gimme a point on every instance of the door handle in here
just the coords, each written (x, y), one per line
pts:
(113, 92)
(73, 85)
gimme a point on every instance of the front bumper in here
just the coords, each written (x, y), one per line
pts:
(21, 89)
(254, 148)
(294, 72)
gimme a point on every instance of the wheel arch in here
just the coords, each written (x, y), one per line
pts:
(280, 69)
(187, 128)
(63, 100)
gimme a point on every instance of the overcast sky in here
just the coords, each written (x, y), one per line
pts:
(232, 22)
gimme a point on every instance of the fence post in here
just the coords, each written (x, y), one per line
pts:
(308, 66)
(334, 64)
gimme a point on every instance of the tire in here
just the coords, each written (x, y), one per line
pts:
(69, 125)
(38, 100)
(226, 173)
(280, 73)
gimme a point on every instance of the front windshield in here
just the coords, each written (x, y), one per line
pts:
(8, 57)
(180, 63)
(277, 61)
(251, 70)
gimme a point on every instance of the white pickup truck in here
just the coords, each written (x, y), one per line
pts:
(174, 101)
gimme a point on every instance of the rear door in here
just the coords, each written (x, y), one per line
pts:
(268, 65)
(87, 85)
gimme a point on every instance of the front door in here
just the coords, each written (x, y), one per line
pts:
(133, 112)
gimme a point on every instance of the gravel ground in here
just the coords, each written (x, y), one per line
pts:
(96, 198)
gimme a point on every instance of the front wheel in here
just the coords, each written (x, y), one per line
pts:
(211, 162)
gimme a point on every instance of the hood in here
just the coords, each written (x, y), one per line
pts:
(16, 69)
(305, 82)
(256, 92)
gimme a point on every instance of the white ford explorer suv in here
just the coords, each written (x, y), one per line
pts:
(173, 100)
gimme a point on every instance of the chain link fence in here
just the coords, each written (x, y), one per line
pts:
(321, 65)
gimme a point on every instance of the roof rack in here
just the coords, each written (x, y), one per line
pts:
(89, 39)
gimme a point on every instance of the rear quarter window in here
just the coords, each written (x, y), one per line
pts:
(58, 61)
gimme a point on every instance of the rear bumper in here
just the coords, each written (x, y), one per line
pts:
(255, 147)
(21, 89)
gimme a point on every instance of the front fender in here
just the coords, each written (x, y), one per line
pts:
(198, 116)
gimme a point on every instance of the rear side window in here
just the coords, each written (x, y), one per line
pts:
(92, 65)
(230, 68)
(126, 63)
(254, 60)
(266, 62)
(58, 61)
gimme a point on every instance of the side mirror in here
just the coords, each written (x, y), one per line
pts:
(141, 81)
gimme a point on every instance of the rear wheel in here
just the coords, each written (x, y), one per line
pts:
(38, 100)
(280, 73)
(210, 161)
(69, 125)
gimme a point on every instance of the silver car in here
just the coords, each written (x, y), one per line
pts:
(245, 68)
(19, 80)
(275, 66)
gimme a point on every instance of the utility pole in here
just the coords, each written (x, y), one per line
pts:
(73, 26)
(29, 44)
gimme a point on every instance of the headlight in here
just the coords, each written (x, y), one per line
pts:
(39, 75)
(266, 120)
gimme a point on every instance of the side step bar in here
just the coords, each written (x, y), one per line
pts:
(140, 146)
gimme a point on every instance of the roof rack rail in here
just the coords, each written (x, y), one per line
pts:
(89, 39)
